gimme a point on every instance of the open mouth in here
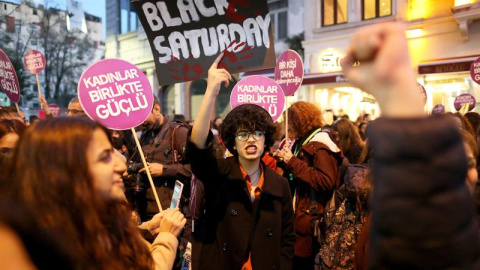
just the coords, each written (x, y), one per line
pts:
(252, 149)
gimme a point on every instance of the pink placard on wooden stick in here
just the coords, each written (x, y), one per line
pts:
(34, 61)
(116, 94)
(8, 78)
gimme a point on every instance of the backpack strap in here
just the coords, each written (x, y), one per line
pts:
(307, 140)
(176, 127)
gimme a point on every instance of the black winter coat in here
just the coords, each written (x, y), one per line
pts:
(423, 214)
(233, 226)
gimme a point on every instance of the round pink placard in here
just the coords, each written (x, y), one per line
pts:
(289, 72)
(116, 94)
(438, 109)
(464, 99)
(261, 91)
(34, 61)
(475, 71)
(8, 78)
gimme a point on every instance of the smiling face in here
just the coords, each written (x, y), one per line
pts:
(249, 144)
(105, 166)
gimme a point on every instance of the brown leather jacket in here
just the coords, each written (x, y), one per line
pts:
(315, 166)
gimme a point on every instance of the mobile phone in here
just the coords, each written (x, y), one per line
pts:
(177, 194)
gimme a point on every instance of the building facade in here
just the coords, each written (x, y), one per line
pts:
(127, 40)
(443, 37)
(25, 26)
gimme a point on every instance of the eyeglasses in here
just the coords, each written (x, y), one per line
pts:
(74, 111)
(243, 135)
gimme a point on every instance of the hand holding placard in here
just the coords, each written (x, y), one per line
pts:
(35, 62)
(118, 95)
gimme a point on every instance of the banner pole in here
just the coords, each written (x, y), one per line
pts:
(146, 169)
(39, 92)
(18, 109)
(286, 123)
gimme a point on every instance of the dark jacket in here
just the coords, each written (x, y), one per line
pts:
(315, 166)
(422, 212)
(157, 147)
(233, 225)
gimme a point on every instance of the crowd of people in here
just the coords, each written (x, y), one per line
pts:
(399, 192)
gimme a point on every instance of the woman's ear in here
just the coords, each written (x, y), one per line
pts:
(156, 110)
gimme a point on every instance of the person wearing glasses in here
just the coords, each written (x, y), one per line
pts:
(74, 108)
(248, 213)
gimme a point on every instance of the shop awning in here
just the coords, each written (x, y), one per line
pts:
(450, 65)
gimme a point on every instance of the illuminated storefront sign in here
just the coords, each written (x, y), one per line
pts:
(330, 61)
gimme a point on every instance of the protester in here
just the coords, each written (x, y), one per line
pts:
(248, 207)
(26, 246)
(76, 194)
(12, 113)
(349, 140)
(422, 212)
(474, 120)
(313, 164)
(163, 144)
(10, 132)
(463, 123)
(362, 128)
(472, 155)
(74, 108)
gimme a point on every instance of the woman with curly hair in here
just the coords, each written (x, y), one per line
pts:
(349, 140)
(248, 221)
(313, 164)
(67, 174)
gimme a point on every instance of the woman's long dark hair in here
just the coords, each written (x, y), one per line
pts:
(51, 178)
(347, 134)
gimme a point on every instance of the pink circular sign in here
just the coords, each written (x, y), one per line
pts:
(289, 72)
(8, 78)
(475, 71)
(438, 109)
(34, 61)
(464, 99)
(116, 94)
(261, 91)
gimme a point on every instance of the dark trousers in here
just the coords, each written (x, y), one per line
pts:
(303, 263)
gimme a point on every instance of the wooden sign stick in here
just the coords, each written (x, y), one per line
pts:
(287, 142)
(147, 170)
(39, 92)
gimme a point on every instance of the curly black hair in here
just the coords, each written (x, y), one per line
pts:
(249, 117)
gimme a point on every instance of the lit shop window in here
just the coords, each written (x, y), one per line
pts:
(334, 12)
(376, 8)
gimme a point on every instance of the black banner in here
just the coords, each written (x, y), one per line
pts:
(187, 35)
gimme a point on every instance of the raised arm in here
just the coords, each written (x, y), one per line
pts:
(202, 123)
(422, 212)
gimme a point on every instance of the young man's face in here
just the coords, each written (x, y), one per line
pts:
(249, 144)
(154, 119)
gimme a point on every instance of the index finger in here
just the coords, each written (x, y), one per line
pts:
(217, 60)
